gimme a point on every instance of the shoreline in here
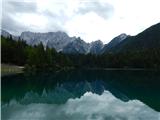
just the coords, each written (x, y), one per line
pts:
(8, 69)
(130, 69)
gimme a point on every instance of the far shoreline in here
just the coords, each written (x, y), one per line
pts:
(8, 69)
(125, 69)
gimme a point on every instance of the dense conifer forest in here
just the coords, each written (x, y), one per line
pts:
(40, 58)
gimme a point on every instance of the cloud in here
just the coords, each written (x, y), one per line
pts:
(90, 106)
(10, 11)
(11, 25)
(103, 9)
(19, 16)
(28, 7)
(89, 26)
(89, 19)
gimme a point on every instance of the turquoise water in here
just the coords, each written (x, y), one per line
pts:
(82, 95)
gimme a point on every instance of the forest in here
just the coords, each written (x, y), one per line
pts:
(40, 58)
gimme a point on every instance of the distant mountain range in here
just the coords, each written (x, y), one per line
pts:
(114, 42)
(148, 39)
(77, 46)
(60, 41)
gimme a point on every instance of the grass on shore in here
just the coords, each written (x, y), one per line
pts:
(7, 69)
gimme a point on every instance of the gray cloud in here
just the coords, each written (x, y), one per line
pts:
(103, 9)
(16, 6)
(9, 24)
(9, 11)
(11, 8)
(56, 20)
(22, 6)
(62, 17)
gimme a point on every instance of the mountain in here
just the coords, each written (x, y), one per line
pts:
(77, 46)
(5, 33)
(96, 47)
(148, 39)
(58, 40)
(115, 41)
(55, 40)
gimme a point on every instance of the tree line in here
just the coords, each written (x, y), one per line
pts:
(40, 58)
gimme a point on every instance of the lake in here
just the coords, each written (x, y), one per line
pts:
(82, 95)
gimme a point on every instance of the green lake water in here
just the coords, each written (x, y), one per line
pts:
(82, 95)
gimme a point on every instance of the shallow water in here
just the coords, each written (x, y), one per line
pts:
(82, 95)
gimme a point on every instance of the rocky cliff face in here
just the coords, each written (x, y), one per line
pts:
(78, 46)
(115, 41)
(55, 40)
(96, 47)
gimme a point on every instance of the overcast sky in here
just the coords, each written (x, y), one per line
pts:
(89, 19)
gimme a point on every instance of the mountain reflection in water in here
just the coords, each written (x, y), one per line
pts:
(57, 88)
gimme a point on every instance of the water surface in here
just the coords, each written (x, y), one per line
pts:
(82, 95)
